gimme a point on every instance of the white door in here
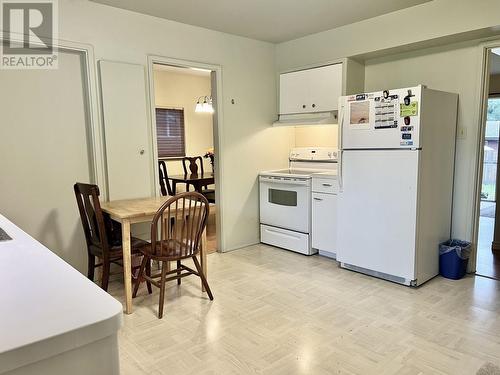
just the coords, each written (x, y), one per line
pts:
(128, 145)
(325, 87)
(377, 211)
(294, 95)
(324, 222)
(285, 204)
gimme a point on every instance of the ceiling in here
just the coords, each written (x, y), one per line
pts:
(268, 20)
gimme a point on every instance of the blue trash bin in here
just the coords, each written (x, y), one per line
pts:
(453, 258)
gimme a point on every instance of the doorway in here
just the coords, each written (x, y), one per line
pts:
(488, 239)
(184, 135)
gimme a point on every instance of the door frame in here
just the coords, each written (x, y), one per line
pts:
(482, 94)
(95, 135)
(217, 123)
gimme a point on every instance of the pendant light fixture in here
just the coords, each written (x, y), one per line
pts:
(204, 105)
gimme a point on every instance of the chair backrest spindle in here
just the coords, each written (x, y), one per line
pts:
(178, 225)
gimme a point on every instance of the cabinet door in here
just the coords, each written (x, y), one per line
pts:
(324, 222)
(325, 87)
(125, 114)
(294, 93)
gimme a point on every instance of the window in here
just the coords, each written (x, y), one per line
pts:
(170, 133)
(492, 135)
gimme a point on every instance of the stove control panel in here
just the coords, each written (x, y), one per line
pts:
(313, 154)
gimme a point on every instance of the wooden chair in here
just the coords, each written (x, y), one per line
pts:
(182, 241)
(103, 235)
(191, 162)
(165, 187)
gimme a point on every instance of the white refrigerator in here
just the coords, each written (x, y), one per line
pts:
(396, 182)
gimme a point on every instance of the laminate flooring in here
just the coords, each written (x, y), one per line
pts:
(277, 312)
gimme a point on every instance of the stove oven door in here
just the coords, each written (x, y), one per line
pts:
(285, 202)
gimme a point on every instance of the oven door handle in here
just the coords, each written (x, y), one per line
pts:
(276, 182)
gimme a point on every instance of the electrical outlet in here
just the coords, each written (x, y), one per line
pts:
(461, 132)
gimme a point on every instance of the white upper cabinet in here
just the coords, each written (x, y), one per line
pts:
(311, 90)
(294, 92)
(325, 87)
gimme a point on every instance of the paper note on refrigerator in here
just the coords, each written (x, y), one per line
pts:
(408, 110)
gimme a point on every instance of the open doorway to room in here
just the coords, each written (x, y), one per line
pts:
(488, 249)
(184, 137)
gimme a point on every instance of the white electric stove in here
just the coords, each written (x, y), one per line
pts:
(285, 198)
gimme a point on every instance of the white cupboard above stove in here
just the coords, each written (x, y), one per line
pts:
(310, 96)
(311, 90)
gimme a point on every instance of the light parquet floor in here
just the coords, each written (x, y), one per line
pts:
(277, 312)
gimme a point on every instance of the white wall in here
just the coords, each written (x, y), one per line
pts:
(250, 144)
(316, 136)
(43, 152)
(181, 90)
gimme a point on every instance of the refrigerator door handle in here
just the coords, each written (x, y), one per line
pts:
(341, 147)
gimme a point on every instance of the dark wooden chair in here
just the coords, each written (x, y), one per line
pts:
(165, 186)
(103, 235)
(174, 244)
(191, 163)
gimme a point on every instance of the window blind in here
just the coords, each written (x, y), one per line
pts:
(170, 132)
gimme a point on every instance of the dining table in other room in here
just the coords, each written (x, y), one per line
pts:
(198, 180)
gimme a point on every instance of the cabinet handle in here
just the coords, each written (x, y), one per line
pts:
(141, 152)
(303, 106)
(314, 105)
(318, 199)
(329, 185)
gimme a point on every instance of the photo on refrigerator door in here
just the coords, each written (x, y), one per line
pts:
(360, 113)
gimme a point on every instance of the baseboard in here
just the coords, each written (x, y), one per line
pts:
(240, 246)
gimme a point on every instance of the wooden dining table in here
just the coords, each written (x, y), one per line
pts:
(198, 180)
(133, 211)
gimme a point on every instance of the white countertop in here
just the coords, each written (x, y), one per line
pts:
(47, 307)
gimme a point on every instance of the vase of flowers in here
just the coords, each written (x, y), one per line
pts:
(210, 155)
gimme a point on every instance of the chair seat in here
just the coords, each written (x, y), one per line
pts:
(172, 250)
(116, 251)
